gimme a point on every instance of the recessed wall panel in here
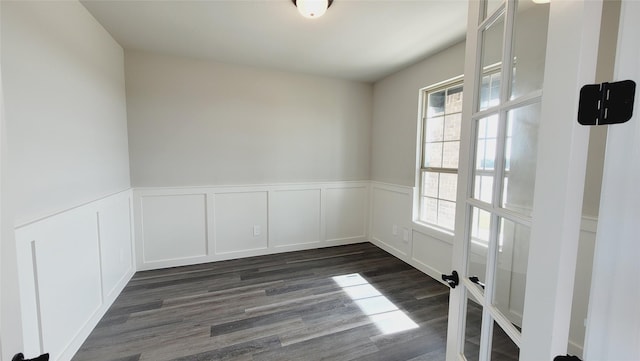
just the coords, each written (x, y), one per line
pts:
(391, 214)
(346, 212)
(115, 241)
(174, 227)
(295, 217)
(67, 266)
(432, 253)
(240, 221)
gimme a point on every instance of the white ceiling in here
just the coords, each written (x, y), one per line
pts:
(356, 39)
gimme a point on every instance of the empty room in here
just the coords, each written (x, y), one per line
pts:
(252, 180)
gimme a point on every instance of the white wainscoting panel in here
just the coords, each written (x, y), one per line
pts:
(346, 213)
(431, 255)
(114, 224)
(295, 217)
(218, 222)
(240, 221)
(71, 253)
(73, 266)
(173, 227)
(391, 219)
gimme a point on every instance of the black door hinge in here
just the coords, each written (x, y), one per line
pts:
(606, 103)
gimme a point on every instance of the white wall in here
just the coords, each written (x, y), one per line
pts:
(195, 123)
(65, 107)
(395, 112)
(66, 135)
(188, 225)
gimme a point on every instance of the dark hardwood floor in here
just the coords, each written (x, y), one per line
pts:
(326, 304)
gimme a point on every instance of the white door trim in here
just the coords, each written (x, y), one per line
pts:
(572, 47)
(613, 322)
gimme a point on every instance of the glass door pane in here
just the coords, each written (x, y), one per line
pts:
(490, 66)
(529, 47)
(491, 6)
(510, 284)
(473, 330)
(502, 347)
(485, 160)
(520, 153)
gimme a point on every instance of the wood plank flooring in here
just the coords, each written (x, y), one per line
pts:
(278, 307)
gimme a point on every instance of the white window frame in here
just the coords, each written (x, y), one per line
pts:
(420, 151)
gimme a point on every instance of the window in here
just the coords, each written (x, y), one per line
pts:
(440, 145)
(441, 122)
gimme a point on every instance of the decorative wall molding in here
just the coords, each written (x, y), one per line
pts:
(74, 264)
(181, 226)
(77, 261)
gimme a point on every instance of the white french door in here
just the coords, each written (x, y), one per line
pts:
(508, 173)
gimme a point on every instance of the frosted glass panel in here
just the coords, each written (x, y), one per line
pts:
(502, 347)
(529, 47)
(485, 151)
(521, 149)
(480, 231)
(490, 6)
(490, 64)
(472, 330)
(513, 254)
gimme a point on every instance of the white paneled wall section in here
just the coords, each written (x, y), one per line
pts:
(393, 229)
(180, 226)
(73, 266)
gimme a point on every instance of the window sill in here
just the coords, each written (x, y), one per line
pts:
(442, 235)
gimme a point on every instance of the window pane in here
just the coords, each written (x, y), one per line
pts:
(491, 58)
(450, 155)
(521, 149)
(429, 210)
(452, 126)
(529, 47)
(481, 225)
(433, 155)
(511, 274)
(434, 130)
(483, 188)
(477, 259)
(487, 132)
(430, 184)
(454, 100)
(446, 214)
(436, 103)
(448, 186)
(502, 347)
(473, 328)
(490, 6)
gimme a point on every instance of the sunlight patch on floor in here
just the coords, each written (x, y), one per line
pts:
(382, 312)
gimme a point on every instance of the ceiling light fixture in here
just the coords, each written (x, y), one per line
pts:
(312, 8)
